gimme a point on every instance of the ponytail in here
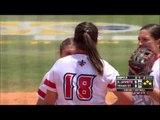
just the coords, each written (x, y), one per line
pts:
(85, 38)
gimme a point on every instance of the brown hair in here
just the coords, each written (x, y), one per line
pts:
(64, 44)
(154, 30)
(85, 38)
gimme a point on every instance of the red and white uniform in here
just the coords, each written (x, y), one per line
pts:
(77, 82)
(141, 98)
(156, 74)
(42, 89)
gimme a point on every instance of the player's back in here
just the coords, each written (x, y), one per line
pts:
(77, 81)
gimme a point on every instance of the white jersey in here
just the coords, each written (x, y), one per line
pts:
(42, 89)
(77, 82)
(141, 98)
(156, 75)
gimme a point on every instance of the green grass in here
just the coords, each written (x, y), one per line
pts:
(117, 54)
(128, 19)
(23, 65)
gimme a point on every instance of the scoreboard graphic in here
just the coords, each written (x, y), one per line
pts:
(134, 83)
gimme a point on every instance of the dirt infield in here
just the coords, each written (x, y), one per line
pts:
(18, 98)
(30, 98)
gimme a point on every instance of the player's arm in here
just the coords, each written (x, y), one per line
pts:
(155, 95)
(40, 102)
(50, 98)
(124, 98)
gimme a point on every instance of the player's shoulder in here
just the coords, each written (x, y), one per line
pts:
(156, 64)
(63, 59)
(61, 63)
(70, 58)
(105, 63)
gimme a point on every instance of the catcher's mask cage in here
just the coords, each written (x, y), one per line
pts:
(141, 61)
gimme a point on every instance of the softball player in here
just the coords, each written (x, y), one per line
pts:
(82, 78)
(149, 36)
(66, 48)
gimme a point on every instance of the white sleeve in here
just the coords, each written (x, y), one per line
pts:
(156, 74)
(110, 75)
(42, 89)
(50, 81)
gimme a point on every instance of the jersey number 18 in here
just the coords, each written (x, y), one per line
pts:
(83, 85)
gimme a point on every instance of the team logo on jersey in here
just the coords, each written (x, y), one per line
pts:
(81, 63)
